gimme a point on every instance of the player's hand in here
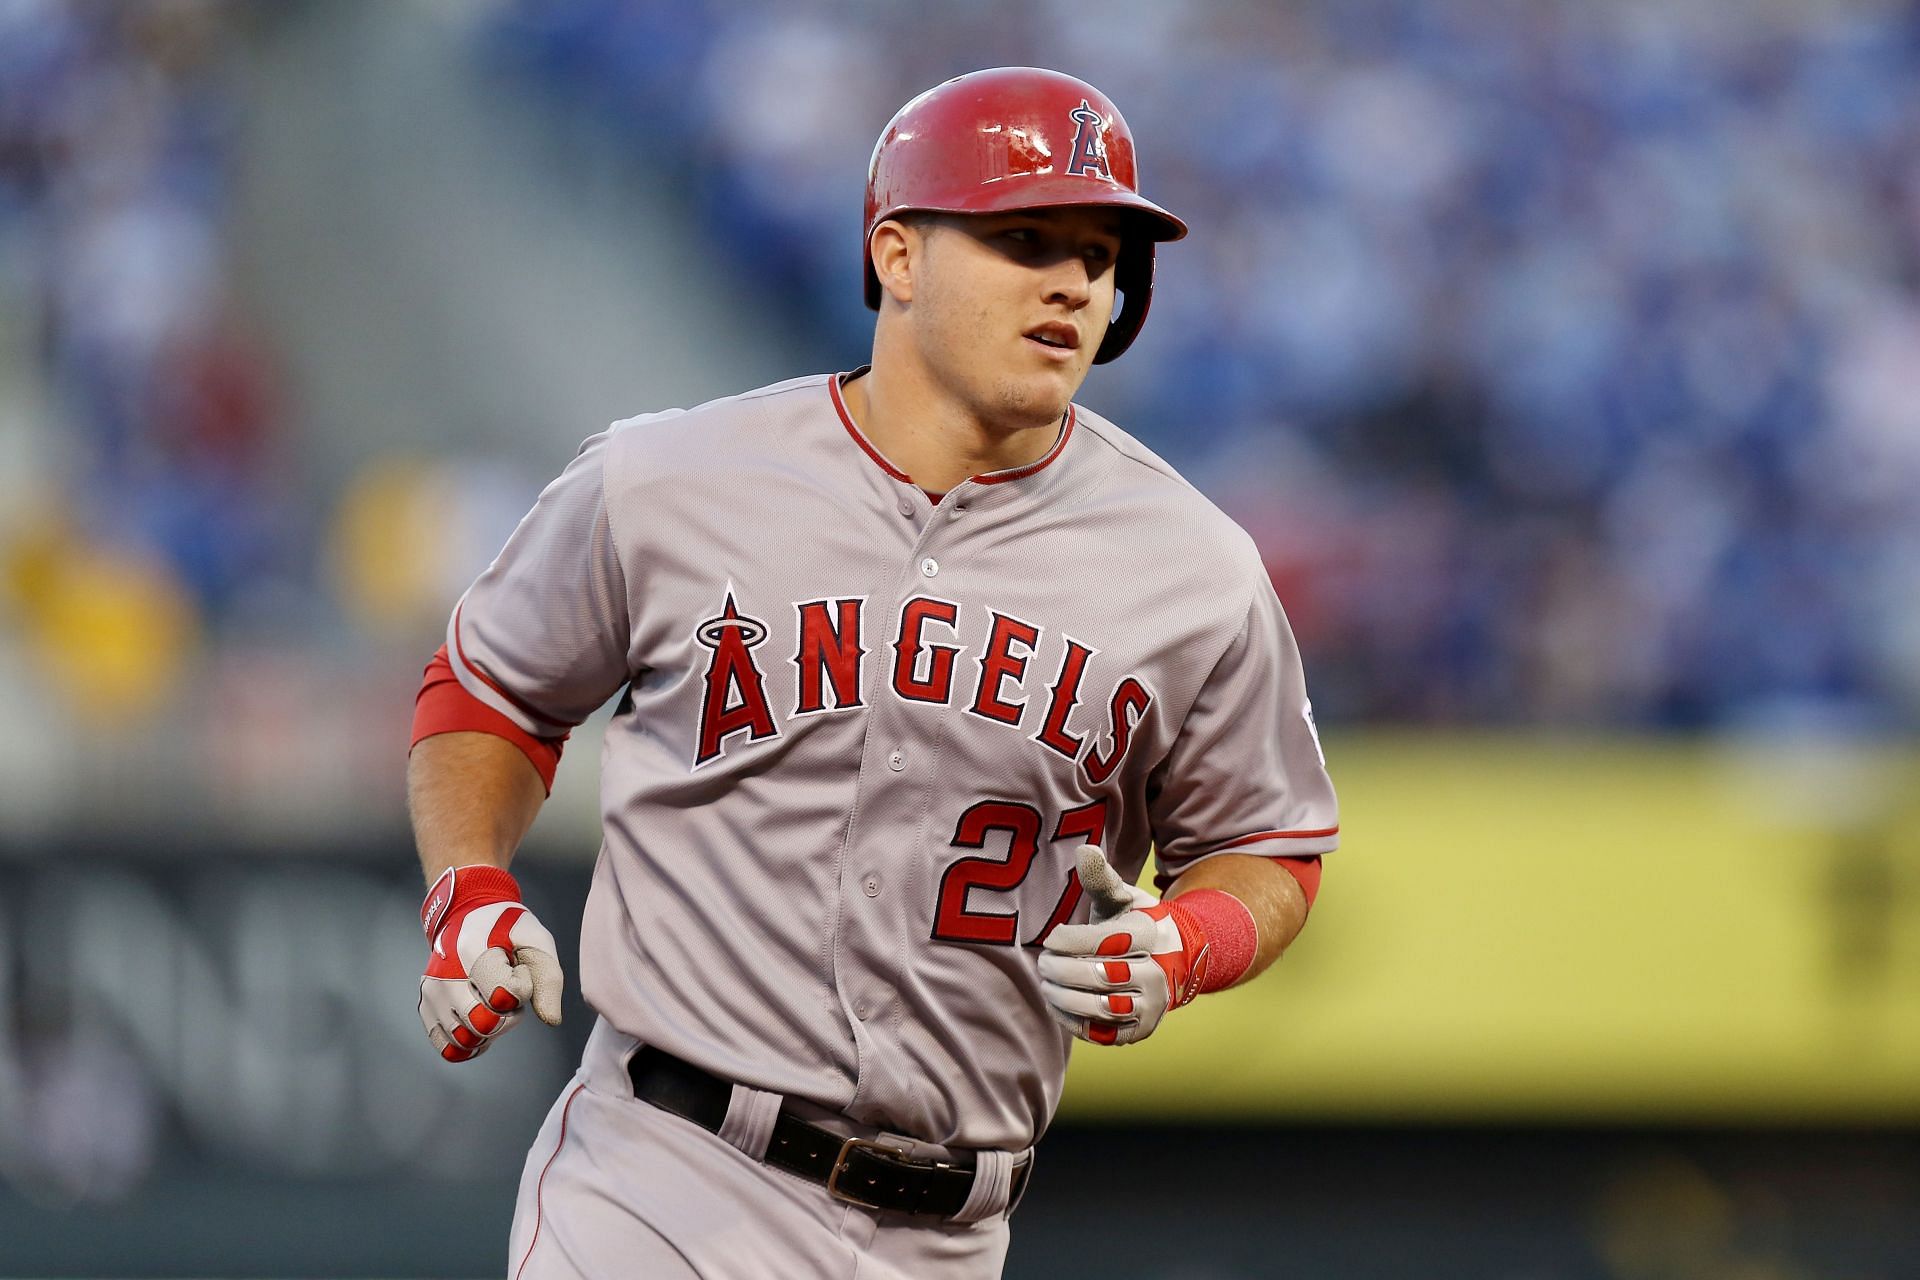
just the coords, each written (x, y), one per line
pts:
(490, 959)
(1111, 981)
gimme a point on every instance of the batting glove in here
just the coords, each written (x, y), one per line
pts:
(490, 958)
(1112, 980)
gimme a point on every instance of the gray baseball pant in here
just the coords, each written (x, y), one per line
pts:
(615, 1187)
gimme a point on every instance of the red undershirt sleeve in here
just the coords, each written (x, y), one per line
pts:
(1307, 872)
(443, 706)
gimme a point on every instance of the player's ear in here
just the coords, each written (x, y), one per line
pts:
(896, 248)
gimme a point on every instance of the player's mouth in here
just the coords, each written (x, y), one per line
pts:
(1056, 340)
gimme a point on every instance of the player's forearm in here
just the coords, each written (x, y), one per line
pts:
(472, 797)
(1272, 897)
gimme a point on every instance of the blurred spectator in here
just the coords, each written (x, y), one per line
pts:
(1586, 334)
(1560, 357)
(114, 183)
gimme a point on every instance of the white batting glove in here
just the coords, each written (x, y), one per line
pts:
(490, 958)
(1111, 981)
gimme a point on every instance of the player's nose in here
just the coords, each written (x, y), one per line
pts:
(1068, 281)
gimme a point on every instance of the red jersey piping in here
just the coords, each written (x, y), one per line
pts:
(993, 477)
(846, 420)
(540, 1186)
(460, 656)
(1258, 836)
(1001, 477)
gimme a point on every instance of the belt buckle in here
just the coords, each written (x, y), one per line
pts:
(840, 1166)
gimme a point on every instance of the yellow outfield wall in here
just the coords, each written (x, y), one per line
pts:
(1526, 928)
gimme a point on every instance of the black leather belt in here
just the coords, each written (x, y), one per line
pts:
(858, 1170)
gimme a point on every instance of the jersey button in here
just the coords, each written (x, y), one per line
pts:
(861, 1011)
(896, 762)
(929, 567)
(906, 506)
(871, 886)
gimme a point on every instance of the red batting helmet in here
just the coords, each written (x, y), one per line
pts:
(1019, 138)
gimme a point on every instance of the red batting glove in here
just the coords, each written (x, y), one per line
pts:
(490, 957)
(1111, 981)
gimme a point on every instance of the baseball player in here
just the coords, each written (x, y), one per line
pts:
(916, 664)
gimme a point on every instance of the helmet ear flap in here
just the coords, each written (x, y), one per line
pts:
(1133, 279)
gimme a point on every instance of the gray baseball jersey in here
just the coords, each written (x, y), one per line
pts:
(863, 734)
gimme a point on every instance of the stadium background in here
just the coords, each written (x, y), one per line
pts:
(1564, 360)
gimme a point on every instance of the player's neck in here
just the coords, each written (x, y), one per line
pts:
(931, 436)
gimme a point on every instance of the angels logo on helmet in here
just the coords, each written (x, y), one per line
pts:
(1089, 159)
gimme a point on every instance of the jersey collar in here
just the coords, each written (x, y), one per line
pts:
(834, 384)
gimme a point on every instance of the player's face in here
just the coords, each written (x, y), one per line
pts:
(1009, 309)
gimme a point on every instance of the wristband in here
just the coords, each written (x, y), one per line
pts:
(466, 887)
(1216, 924)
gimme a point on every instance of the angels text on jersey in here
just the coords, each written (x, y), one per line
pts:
(927, 663)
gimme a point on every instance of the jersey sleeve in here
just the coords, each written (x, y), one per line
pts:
(442, 706)
(542, 636)
(1245, 773)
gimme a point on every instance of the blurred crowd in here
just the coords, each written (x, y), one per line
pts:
(143, 498)
(1563, 358)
